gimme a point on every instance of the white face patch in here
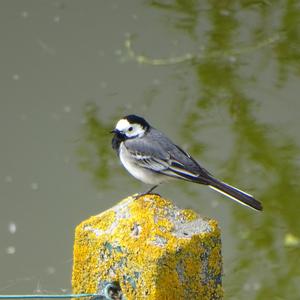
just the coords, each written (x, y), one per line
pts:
(122, 125)
(130, 130)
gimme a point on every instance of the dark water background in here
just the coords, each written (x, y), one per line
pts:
(221, 78)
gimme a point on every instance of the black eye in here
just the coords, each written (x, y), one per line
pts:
(130, 128)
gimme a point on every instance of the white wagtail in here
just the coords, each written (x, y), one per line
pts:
(153, 158)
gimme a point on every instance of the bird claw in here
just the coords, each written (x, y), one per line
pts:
(139, 195)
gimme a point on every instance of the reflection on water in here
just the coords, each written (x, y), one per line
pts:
(94, 152)
(242, 39)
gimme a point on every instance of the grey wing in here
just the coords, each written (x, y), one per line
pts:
(148, 154)
(157, 153)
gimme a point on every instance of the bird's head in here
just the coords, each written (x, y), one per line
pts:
(131, 126)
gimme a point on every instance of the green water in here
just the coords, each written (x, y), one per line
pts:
(221, 78)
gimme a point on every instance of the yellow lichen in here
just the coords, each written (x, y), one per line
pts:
(149, 261)
(189, 214)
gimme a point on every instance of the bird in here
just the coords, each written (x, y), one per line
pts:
(150, 156)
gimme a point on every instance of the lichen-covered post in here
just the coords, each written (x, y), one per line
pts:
(150, 249)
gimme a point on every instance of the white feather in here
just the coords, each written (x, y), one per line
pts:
(122, 125)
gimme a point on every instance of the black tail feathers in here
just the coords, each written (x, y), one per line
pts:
(234, 193)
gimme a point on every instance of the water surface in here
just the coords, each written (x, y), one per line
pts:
(221, 78)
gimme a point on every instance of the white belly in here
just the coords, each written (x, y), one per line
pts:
(142, 174)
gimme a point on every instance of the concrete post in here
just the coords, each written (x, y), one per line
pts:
(147, 248)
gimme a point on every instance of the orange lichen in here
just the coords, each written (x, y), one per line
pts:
(134, 244)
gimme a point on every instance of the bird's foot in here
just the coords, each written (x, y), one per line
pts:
(137, 196)
(149, 192)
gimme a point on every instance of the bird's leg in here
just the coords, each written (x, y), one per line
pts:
(146, 193)
(154, 187)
